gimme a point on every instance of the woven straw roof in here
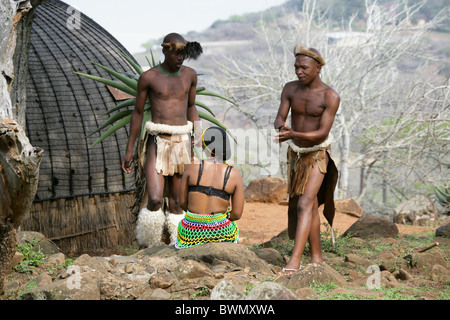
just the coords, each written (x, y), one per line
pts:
(63, 107)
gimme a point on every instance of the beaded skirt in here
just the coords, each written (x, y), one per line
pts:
(196, 229)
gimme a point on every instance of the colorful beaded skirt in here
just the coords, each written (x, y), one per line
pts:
(196, 229)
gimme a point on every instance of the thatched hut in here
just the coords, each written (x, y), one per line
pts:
(83, 198)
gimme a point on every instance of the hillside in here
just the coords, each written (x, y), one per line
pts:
(240, 38)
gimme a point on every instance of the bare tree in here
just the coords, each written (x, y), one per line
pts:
(19, 161)
(394, 103)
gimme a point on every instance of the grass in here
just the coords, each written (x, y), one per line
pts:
(376, 250)
(31, 258)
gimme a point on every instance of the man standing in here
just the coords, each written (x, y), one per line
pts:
(312, 175)
(171, 89)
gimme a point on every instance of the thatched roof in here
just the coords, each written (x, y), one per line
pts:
(63, 108)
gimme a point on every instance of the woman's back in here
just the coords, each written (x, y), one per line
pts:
(219, 184)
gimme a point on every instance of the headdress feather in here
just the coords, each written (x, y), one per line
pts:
(191, 49)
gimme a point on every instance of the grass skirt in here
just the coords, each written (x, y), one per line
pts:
(196, 229)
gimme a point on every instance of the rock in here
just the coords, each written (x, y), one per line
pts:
(443, 231)
(266, 189)
(388, 280)
(402, 274)
(348, 206)
(418, 210)
(88, 289)
(278, 241)
(160, 294)
(377, 280)
(192, 269)
(47, 247)
(357, 260)
(43, 279)
(369, 226)
(305, 293)
(269, 255)
(225, 290)
(29, 236)
(390, 262)
(155, 294)
(91, 263)
(118, 288)
(214, 253)
(270, 291)
(11, 287)
(438, 270)
(18, 257)
(426, 259)
(42, 244)
(162, 280)
(56, 259)
(151, 250)
(315, 273)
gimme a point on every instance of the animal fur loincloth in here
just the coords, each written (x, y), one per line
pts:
(300, 163)
(173, 152)
(173, 146)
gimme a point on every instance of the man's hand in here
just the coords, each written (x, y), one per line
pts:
(126, 163)
(285, 133)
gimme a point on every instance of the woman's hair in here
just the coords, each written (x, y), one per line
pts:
(216, 143)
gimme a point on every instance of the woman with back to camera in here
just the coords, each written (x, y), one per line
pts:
(212, 194)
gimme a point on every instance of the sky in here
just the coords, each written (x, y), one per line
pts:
(133, 22)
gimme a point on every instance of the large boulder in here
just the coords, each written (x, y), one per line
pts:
(418, 211)
(369, 226)
(39, 241)
(348, 206)
(215, 253)
(225, 290)
(313, 274)
(443, 231)
(270, 291)
(266, 189)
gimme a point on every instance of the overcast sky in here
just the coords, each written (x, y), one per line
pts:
(134, 22)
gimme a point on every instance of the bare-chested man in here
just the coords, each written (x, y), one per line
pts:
(171, 90)
(312, 175)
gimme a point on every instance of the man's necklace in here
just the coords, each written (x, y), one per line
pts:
(169, 74)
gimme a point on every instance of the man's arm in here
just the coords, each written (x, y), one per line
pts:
(332, 101)
(192, 114)
(283, 110)
(237, 199)
(136, 120)
(184, 189)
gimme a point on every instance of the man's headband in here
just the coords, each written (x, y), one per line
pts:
(299, 50)
(191, 49)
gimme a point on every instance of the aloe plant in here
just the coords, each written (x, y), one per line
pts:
(127, 82)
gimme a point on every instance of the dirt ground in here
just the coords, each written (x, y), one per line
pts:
(262, 221)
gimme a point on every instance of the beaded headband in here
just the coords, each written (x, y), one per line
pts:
(299, 50)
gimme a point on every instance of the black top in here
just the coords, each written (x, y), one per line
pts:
(211, 191)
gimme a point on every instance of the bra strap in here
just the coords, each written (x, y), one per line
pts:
(200, 171)
(227, 176)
